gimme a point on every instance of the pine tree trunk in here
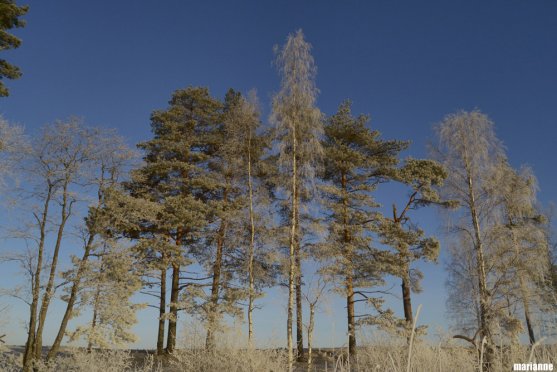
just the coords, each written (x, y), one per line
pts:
(173, 321)
(49, 291)
(349, 278)
(71, 301)
(215, 286)
(162, 311)
(406, 298)
(28, 355)
(350, 317)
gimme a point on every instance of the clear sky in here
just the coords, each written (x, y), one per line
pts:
(406, 63)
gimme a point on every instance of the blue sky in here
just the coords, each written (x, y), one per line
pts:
(405, 63)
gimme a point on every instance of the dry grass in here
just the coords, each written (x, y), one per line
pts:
(388, 356)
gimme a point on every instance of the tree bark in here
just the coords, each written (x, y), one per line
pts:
(251, 294)
(28, 355)
(49, 291)
(162, 312)
(292, 265)
(350, 317)
(215, 287)
(300, 357)
(95, 316)
(406, 298)
(310, 334)
(523, 292)
(173, 321)
(485, 317)
(71, 301)
(349, 278)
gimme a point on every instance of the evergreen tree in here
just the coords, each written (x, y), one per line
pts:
(10, 14)
(174, 176)
(405, 238)
(356, 161)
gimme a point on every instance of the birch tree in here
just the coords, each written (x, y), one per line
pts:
(469, 151)
(59, 160)
(111, 159)
(297, 132)
(523, 239)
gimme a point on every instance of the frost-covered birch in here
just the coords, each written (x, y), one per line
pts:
(469, 150)
(298, 130)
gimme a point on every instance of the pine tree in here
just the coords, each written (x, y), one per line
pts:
(10, 14)
(175, 176)
(406, 239)
(356, 161)
(297, 131)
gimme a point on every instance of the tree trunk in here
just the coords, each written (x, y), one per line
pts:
(95, 317)
(485, 316)
(292, 266)
(251, 294)
(529, 326)
(49, 291)
(251, 253)
(28, 355)
(523, 290)
(162, 311)
(310, 334)
(215, 286)
(350, 317)
(173, 321)
(299, 315)
(349, 278)
(406, 299)
(71, 301)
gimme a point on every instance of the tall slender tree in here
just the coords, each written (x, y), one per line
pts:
(298, 130)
